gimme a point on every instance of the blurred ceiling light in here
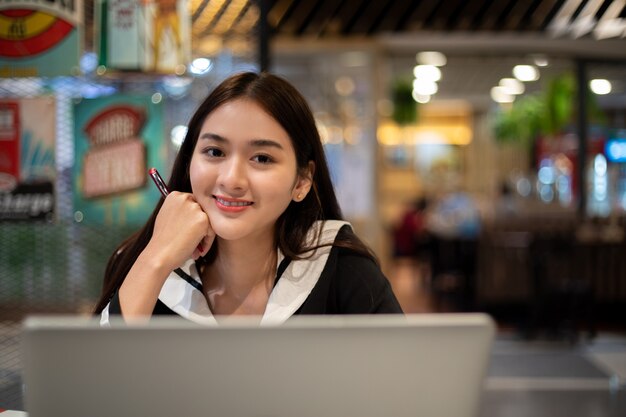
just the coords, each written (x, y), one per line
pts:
(512, 86)
(180, 69)
(344, 86)
(523, 187)
(499, 95)
(600, 86)
(177, 136)
(454, 133)
(200, 66)
(541, 61)
(173, 81)
(421, 98)
(427, 72)
(424, 87)
(526, 72)
(88, 62)
(389, 134)
(177, 86)
(431, 58)
(599, 164)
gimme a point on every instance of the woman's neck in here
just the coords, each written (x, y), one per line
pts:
(241, 278)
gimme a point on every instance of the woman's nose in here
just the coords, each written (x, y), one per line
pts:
(233, 176)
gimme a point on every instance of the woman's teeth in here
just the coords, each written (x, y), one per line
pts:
(234, 203)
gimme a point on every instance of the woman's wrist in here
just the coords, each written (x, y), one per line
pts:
(157, 260)
(141, 288)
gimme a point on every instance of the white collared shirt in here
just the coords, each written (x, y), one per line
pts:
(291, 291)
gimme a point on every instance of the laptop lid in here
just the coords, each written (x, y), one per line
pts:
(427, 365)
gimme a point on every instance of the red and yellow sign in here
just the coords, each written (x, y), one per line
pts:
(39, 37)
(29, 32)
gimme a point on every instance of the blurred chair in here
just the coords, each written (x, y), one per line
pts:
(562, 298)
(453, 271)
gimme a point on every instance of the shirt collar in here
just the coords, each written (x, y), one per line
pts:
(288, 295)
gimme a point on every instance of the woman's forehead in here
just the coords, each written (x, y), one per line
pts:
(244, 119)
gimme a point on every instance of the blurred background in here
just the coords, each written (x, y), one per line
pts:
(478, 146)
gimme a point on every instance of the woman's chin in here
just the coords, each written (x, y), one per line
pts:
(227, 235)
(230, 233)
(237, 232)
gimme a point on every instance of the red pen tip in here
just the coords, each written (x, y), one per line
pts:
(152, 170)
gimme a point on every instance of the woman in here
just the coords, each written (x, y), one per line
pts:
(252, 225)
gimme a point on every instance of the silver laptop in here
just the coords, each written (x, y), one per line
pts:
(348, 366)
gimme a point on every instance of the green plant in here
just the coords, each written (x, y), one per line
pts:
(404, 106)
(558, 104)
(547, 113)
(522, 122)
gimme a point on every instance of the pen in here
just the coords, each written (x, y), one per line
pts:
(158, 181)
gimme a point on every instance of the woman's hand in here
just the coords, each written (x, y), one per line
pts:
(180, 226)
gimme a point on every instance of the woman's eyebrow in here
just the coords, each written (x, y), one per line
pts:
(254, 143)
(213, 136)
(263, 143)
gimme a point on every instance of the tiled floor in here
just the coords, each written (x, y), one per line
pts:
(536, 378)
(557, 378)
(525, 378)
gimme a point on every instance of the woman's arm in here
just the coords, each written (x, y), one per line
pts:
(180, 225)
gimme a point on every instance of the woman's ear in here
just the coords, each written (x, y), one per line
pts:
(304, 183)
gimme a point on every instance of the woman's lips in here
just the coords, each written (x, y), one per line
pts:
(231, 205)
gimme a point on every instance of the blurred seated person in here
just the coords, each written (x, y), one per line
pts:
(506, 205)
(410, 236)
(455, 216)
(454, 223)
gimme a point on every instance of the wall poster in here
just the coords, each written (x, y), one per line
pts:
(144, 35)
(40, 38)
(117, 139)
(27, 162)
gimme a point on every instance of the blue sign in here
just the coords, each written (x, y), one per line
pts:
(616, 150)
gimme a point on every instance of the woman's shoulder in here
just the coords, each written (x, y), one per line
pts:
(351, 281)
(351, 249)
(361, 286)
(350, 257)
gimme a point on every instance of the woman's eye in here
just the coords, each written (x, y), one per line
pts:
(213, 152)
(263, 159)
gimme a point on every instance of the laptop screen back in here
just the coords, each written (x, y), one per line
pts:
(365, 366)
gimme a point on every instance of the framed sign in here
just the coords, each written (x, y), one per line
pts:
(117, 139)
(27, 162)
(40, 38)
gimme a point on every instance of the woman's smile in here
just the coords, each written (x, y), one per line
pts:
(231, 205)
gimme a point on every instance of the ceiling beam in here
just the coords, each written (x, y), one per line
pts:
(373, 12)
(394, 16)
(505, 43)
(471, 13)
(464, 43)
(322, 17)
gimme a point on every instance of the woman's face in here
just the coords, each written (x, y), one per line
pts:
(243, 171)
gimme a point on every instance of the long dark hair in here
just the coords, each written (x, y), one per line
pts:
(287, 106)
